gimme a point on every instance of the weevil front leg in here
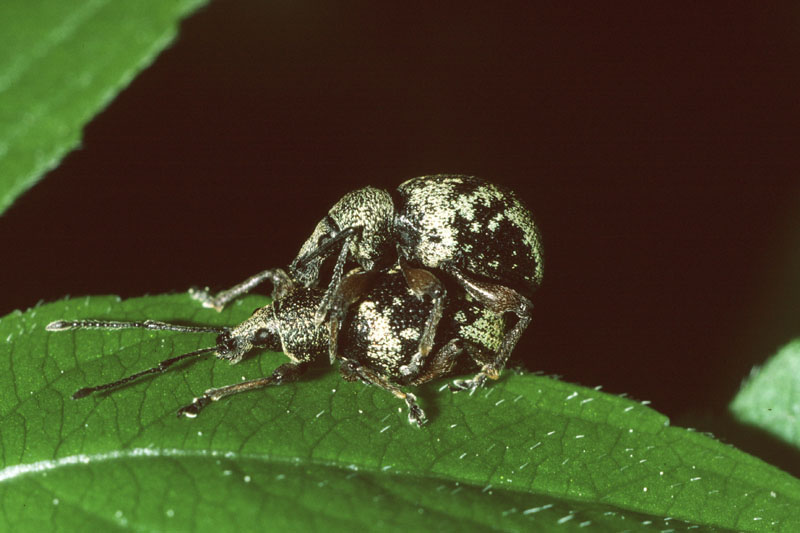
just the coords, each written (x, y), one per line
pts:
(285, 373)
(281, 282)
(352, 371)
(354, 285)
(499, 299)
(334, 287)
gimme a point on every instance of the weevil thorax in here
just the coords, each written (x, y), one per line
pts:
(369, 213)
(299, 336)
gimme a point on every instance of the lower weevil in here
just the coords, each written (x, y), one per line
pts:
(378, 340)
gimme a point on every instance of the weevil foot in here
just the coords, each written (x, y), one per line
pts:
(412, 368)
(470, 385)
(415, 414)
(204, 297)
(194, 408)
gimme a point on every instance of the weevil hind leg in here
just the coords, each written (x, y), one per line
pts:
(285, 373)
(281, 282)
(442, 362)
(499, 299)
(352, 371)
(470, 385)
(494, 367)
(483, 358)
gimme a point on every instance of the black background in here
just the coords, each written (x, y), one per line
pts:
(657, 145)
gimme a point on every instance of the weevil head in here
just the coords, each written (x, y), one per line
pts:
(258, 331)
(364, 218)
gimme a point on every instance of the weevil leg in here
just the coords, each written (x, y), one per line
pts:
(352, 371)
(354, 285)
(334, 287)
(440, 363)
(423, 283)
(281, 282)
(470, 385)
(499, 299)
(285, 373)
(482, 358)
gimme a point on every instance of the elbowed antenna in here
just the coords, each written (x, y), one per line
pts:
(64, 325)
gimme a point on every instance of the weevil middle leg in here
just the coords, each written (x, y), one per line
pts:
(352, 371)
(499, 299)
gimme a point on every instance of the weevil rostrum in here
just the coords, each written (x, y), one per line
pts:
(474, 233)
(378, 339)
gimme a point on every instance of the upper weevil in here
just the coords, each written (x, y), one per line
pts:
(479, 234)
(378, 340)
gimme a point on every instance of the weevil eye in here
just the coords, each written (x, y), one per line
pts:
(226, 341)
(333, 231)
(261, 337)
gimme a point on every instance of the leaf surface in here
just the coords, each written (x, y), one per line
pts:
(528, 452)
(60, 64)
(770, 399)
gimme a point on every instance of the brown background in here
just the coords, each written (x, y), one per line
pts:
(657, 145)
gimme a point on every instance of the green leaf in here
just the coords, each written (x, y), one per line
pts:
(770, 398)
(528, 452)
(60, 64)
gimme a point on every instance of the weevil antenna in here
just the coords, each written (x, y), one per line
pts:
(64, 325)
(160, 367)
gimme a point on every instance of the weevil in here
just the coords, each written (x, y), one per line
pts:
(376, 342)
(478, 234)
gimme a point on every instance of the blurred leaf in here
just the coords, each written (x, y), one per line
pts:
(528, 452)
(60, 64)
(770, 398)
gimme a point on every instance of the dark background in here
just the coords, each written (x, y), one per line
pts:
(657, 145)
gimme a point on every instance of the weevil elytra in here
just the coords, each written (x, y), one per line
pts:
(378, 339)
(479, 235)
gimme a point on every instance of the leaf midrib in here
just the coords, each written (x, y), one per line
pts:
(11, 473)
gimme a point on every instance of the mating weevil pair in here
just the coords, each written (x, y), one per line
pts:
(376, 319)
